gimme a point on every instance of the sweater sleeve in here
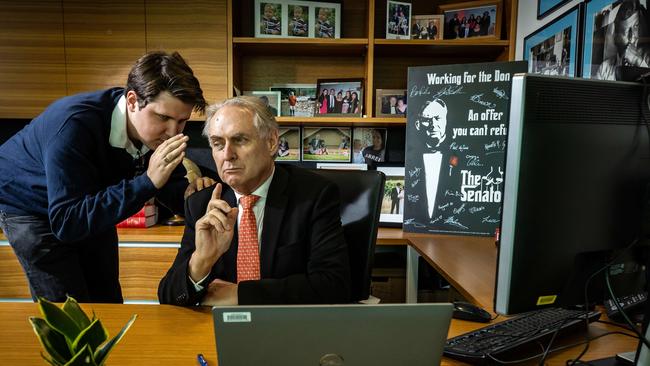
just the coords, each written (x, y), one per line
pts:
(78, 205)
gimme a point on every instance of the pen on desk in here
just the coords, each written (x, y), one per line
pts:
(202, 361)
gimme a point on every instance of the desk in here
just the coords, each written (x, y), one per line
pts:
(169, 335)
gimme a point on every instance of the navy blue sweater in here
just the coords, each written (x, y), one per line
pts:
(61, 166)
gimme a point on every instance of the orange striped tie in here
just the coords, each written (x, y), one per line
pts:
(248, 256)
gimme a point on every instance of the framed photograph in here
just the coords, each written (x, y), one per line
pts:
(398, 20)
(341, 166)
(472, 19)
(269, 18)
(427, 26)
(390, 103)
(546, 7)
(554, 49)
(603, 51)
(392, 205)
(271, 98)
(289, 144)
(296, 100)
(339, 97)
(326, 144)
(369, 145)
(327, 20)
(298, 19)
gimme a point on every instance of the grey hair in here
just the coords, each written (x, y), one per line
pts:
(263, 119)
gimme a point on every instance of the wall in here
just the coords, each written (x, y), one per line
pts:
(527, 21)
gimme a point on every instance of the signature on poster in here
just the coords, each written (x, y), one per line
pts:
(451, 220)
(477, 99)
(449, 90)
(490, 220)
(500, 93)
(476, 209)
(458, 147)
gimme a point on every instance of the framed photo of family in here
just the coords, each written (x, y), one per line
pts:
(326, 144)
(392, 204)
(545, 7)
(390, 103)
(398, 20)
(472, 19)
(603, 50)
(339, 98)
(427, 26)
(297, 19)
(288, 144)
(554, 48)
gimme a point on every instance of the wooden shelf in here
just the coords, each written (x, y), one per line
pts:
(480, 49)
(300, 47)
(342, 121)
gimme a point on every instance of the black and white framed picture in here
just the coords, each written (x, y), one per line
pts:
(339, 97)
(392, 204)
(326, 144)
(616, 34)
(546, 7)
(554, 48)
(269, 18)
(369, 145)
(288, 144)
(398, 20)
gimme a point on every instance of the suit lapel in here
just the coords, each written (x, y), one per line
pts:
(276, 202)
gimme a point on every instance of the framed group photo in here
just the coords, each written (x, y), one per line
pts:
(392, 204)
(297, 19)
(326, 144)
(390, 103)
(339, 97)
(288, 144)
(427, 26)
(603, 51)
(472, 19)
(554, 48)
(398, 20)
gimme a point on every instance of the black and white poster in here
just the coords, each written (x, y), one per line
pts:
(456, 134)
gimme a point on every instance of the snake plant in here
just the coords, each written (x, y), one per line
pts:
(70, 338)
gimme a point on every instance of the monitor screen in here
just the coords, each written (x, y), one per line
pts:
(577, 166)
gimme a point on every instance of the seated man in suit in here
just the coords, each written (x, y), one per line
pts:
(287, 248)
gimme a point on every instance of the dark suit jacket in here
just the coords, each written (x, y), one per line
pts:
(303, 256)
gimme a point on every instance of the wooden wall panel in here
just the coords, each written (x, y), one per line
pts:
(103, 39)
(13, 283)
(32, 60)
(197, 29)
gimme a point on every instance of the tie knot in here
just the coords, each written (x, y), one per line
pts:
(248, 201)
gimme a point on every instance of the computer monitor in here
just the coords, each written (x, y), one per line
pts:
(577, 166)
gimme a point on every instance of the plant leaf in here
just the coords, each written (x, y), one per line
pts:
(102, 352)
(93, 336)
(53, 341)
(59, 320)
(83, 358)
(51, 361)
(74, 311)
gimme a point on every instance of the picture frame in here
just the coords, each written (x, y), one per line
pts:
(390, 103)
(546, 7)
(326, 20)
(369, 145)
(540, 51)
(468, 20)
(350, 103)
(289, 143)
(599, 51)
(299, 18)
(392, 204)
(427, 26)
(326, 144)
(398, 20)
(304, 104)
(272, 97)
(270, 18)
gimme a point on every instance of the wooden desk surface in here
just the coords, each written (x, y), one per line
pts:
(169, 335)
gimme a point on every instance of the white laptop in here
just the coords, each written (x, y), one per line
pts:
(331, 335)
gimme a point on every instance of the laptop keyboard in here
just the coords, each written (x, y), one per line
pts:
(514, 333)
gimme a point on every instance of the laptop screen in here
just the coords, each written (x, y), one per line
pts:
(382, 334)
